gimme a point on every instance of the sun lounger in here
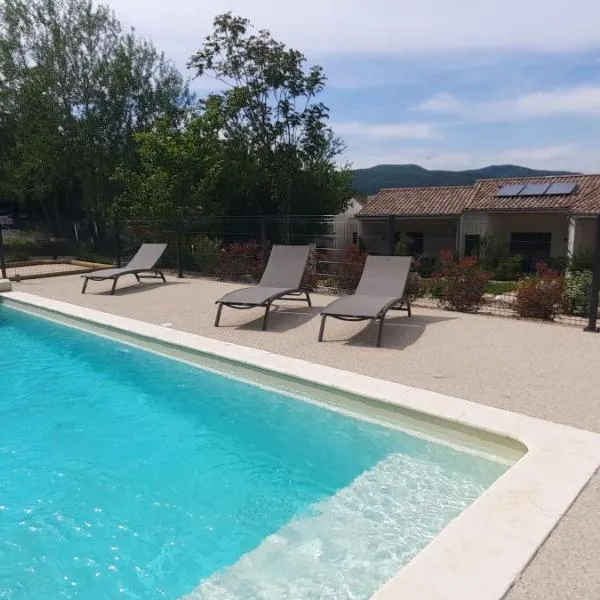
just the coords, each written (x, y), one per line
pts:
(141, 266)
(382, 287)
(282, 279)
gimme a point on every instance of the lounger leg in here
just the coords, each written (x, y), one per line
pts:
(85, 282)
(266, 317)
(162, 276)
(380, 330)
(308, 298)
(218, 317)
(114, 285)
(137, 277)
(322, 328)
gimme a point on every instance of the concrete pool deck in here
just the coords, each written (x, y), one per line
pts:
(545, 371)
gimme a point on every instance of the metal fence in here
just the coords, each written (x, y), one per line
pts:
(236, 248)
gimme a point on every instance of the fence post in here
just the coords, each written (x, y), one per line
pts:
(117, 242)
(2, 263)
(391, 234)
(179, 250)
(264, 242)
(592, 324)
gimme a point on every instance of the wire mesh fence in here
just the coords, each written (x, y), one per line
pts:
(493, 280)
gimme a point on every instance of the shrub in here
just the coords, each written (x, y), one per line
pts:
(496, 258)
(509, 269)
(460, 284)
(498, 288)
(578, 287)
(349, 272)
(204, 254)
(414, 286)
(541, 296)
(241, 261)
(582, 261)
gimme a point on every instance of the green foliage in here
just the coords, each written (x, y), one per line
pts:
(582, 261)
(203, 254)
(541, 296)
(267, 126)
(74, 90)
(500, 287)
(578, 287)
(496, 258)
(371, 180)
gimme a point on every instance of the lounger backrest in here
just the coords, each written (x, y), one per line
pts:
(147, 256)
(286, 267)
(384, 276)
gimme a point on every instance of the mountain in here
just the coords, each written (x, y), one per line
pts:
(370, 181)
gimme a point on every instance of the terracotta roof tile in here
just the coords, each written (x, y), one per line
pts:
(453, 200)
(585, 199)
(419, 201)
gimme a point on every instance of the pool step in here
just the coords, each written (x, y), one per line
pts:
(353, 541)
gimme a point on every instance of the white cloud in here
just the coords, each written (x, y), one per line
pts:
(377, 27)
(582, 101)
(441, 102)
(412, 131)
(575, 101)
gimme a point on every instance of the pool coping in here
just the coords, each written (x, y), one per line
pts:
(480, 554)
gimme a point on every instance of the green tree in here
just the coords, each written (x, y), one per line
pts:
(270, 125)
(74, 90)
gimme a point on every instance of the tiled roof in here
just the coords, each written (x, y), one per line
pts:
(453, 200)
(585, 199)
(419, 201)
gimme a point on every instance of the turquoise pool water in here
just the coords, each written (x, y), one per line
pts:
(124, 474)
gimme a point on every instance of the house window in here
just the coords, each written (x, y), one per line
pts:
(413, 240)
(472, 245)
(531, 247)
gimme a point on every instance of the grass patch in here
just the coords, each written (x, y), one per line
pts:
(500, 287)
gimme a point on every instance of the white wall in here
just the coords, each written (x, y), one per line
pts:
(501, 226)
(344, 225)
(585, 235)
(438, 234)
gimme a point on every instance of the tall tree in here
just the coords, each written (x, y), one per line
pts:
(74, 89)
(268, 116)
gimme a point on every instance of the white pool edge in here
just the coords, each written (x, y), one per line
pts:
(481, 553)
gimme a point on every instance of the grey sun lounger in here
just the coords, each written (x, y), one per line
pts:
(282, 279)
(382, 287)
(141, 266)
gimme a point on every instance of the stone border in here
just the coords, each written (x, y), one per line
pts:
(479, 555)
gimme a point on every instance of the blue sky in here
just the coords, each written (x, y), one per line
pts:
(449, 84)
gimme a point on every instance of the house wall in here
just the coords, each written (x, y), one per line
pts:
(585, 235)
(344, 225)
(438, 234)
(501, 227)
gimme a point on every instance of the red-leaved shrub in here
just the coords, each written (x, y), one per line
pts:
(541, 296)
(350, 270)
(241, 261)
(460, 283)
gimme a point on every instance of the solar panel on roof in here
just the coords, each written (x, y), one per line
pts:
(510, 190)
(561, 189)
(534, 189)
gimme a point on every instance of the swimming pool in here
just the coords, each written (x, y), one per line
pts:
(127, 474)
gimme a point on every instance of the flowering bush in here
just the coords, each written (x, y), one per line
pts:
(541, 296)
(241, 261)
(460, 285)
